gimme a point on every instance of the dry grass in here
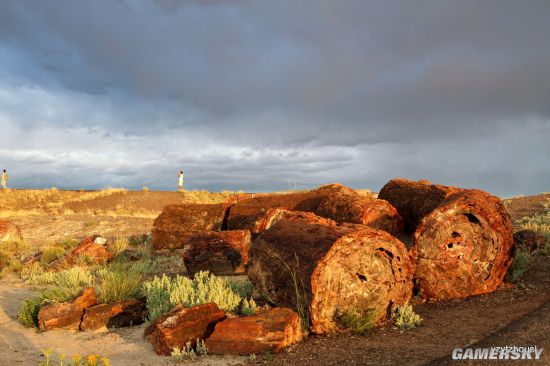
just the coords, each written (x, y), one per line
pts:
(15, 202)
(207, 197)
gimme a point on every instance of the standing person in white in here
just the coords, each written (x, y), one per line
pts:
(4, 179)
(180, 181)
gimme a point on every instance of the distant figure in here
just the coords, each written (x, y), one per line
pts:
(4, 179)
(180, 181)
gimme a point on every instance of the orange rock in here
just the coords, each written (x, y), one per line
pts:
(268, 331)
(119, 314)
(220, 252)
(181, 325)
(92, 247)
(176, 223)
(66, 315)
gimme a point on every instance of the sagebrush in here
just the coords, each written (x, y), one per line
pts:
(405, 317)
(164, 293)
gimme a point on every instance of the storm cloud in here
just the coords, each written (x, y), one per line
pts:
(258, 96)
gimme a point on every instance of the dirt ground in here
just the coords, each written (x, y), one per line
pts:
(512, 315)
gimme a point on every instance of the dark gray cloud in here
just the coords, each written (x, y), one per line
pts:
(249, 95)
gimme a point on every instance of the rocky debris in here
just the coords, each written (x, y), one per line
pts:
(94, 248)
(268, 331)
(221, 253)
(462, 241)
(115, 315)
(176, 223)
(309, 263)
(9, 232)
(529, 240)
(66, 315)
(181, 325)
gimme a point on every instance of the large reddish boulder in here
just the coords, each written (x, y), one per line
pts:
(529, 240)
(115, 315)
(9, 232)
(220, 252)
(66, 315)
(268, 331)
(181, 325)
(94, 248)
(176, 223)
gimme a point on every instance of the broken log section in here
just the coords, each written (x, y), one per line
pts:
(318, 267)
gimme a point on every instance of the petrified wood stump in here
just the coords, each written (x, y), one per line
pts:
(220, 252)
(66, 315)
(177, 222)
(463, 247)
(316, 266)
(268, 331)
(344, 204)
(462, 241)
(181, 325)
(115, 315)
(414, 200)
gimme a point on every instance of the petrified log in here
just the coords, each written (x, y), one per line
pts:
(220, 252)
(268, 331)
(181, 325)
(317, 266)
(94, 248)
(414, 200)
(333, 201)
(344, 204)
(177, 222)
(246, 214)
(9, 232)
(115, 315)
(66, 315)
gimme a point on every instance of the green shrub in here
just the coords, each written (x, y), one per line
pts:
(118, 246)
(67, 285)
(521, 263)
(356, 322)
(539, 222)
(34, 274)
(405, 317)
(28, 315)
(248, 307)
(188, 352)
(52, 253)
(119, 281)
(164, 293)
(244, 288)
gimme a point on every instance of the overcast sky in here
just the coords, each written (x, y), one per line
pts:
(249, 95)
